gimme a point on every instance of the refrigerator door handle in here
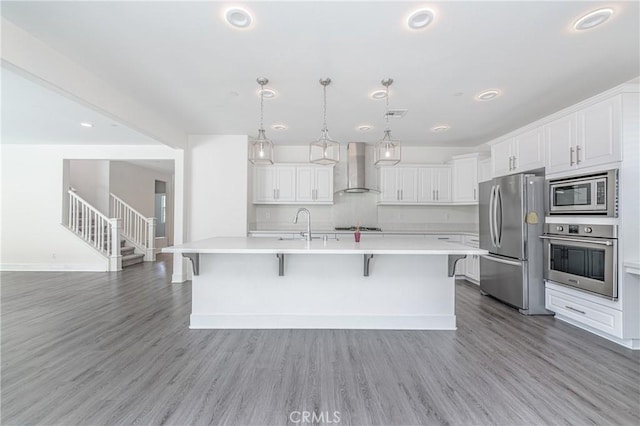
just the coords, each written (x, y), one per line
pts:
(498, 229)
(505, 261)
(491, 213)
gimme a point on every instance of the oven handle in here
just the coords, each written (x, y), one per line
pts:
(575, 240)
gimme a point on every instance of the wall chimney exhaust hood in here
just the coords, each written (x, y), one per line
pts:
(356, 168)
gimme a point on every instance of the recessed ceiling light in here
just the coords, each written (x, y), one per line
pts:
(268, 92)
(378, 94)
(592, 19)
(279, 126)
(420, 19)
(365, 127)
(85, 124)
(238, 17)
(488, 95)
(440, 128)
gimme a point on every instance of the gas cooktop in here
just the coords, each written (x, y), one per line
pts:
(353, 228)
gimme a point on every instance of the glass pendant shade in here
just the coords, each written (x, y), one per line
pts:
(387, 151)
(324, 150)
(261, 150)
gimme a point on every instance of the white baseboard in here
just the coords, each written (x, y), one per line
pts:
(178, 278)
(51, 267)
(363, 322)
(627, 343)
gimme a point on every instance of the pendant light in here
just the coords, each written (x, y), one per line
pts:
(324, 150)
(261, 149)
(387, 150)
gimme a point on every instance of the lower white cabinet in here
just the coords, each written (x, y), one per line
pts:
(290, 184)
(471, 262)
(573, 307)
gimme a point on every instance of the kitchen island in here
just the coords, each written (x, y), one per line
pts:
(395, 283)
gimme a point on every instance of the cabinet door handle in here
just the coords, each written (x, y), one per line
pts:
(510, 159)
(402, 194)
(577, 154)
(433, 194)
(575, 310)
(474, 194)
(438, 194)
(278, 192)
(571, 156)
(398, 194)
(275, 197)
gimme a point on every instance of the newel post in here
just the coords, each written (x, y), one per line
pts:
(115, 258)
(150, 253)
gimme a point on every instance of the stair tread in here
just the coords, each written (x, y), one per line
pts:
(132, 256)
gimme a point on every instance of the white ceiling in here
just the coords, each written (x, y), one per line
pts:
(34, 114)
(182, 60)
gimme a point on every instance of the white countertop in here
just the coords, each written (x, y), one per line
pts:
(248, 245)
(384, 232)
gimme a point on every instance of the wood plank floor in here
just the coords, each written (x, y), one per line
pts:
(115, 348)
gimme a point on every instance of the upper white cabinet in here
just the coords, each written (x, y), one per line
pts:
(560, 140)
(415, 185)
(598, 133)
(314, 184)
(434, 184)
(465, 179)
(518, 154)
(286, 184)
(398, 185)
(484, 170)
(588, 137)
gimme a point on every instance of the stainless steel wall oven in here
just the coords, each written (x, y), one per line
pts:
(582, 256)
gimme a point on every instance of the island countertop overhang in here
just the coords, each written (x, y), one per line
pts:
(393, 246)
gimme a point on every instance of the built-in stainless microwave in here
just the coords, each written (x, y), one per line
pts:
(593, 194)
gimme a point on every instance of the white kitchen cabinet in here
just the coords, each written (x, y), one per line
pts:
(560, 140)
(398, 185)
(588, 137)
(599, 133)
(465, 180)
(314, 184)
(484, 170)
(518, 154)
(434, 184)
(287, 184)
(472, 262)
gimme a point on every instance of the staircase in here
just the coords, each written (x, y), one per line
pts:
(120, 239)
(129, 256)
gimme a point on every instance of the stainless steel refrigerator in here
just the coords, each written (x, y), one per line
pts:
(511, 218)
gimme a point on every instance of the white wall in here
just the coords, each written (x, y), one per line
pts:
(90, 178)
(135, 185)
(34, 181)
(218, 186)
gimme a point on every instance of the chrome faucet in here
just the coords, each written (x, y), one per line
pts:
(295, 220)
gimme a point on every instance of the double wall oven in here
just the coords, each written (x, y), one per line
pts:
(583, 257)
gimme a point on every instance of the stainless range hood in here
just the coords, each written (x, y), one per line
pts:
(356, 168)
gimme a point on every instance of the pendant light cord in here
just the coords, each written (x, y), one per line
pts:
(324, 122)
(387, 106)
(262, 107)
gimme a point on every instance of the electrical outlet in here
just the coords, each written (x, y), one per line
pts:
(53, 256)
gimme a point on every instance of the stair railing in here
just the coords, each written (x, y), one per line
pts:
(136, 228)
(96, 229)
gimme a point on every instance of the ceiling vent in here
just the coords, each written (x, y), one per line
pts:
(396, 113)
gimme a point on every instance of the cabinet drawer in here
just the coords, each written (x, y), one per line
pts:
(592, 314)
